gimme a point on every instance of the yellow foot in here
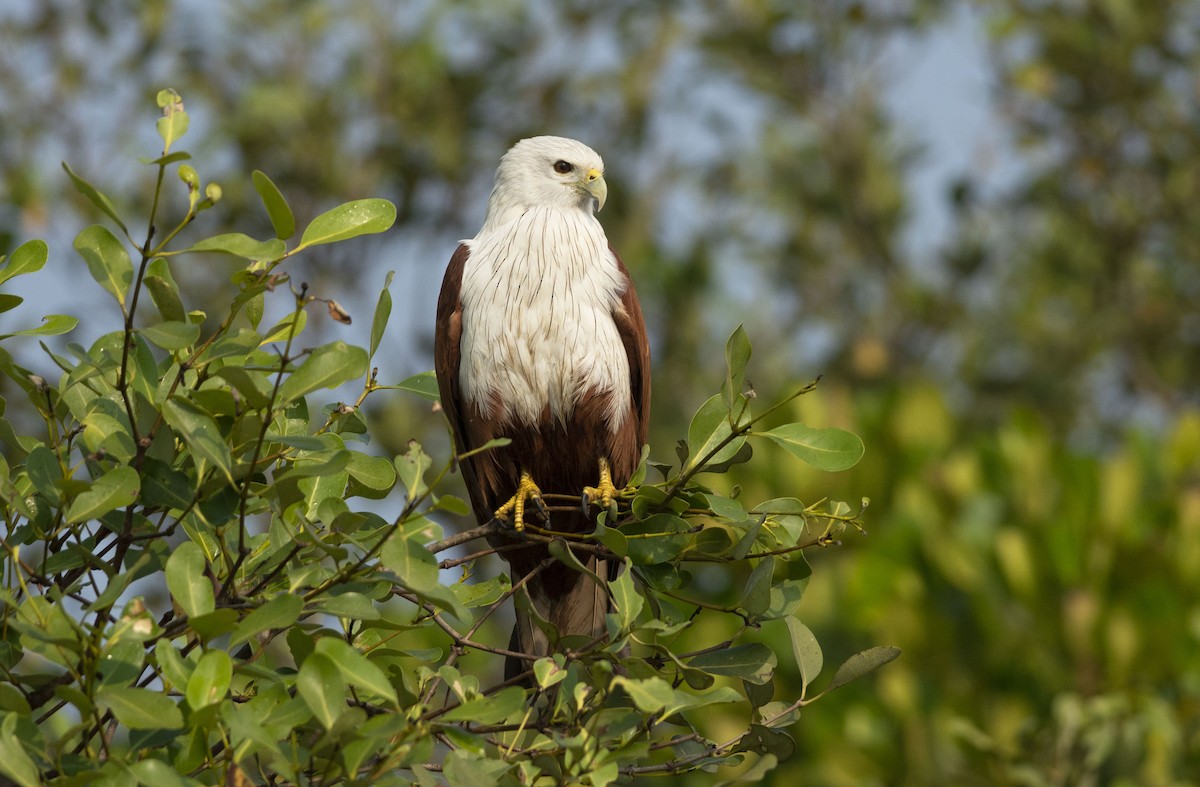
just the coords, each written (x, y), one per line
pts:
(604, 492)
(526, 491)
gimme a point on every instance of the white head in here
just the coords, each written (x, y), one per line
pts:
(546, 172)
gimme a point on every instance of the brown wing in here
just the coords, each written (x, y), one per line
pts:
(631, 325)
(469, 431)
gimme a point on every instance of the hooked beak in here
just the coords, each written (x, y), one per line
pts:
(594, 183)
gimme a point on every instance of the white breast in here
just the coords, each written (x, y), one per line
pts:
(538, 295)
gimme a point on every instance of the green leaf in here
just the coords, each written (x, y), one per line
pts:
(44, 472)
(757, 596)
(492, 709)
(753, 662)
(709, 429)
(278, 613)
(383, 310)
(176, 670)
(107, 260)
(411, 468)
(164, 486)
(210, 679)
(243, 246)
(174, 122)
(467, 769)
(651, 695)
(373, 472)
(725, 508)
(806, 649)
(626, 599)
(351, 605)
(766, 741)
(29, 257)
(52, 325)
(140, 709)
(356, 668)
(15, 763)
(186, 580)
(116, 488)
(824, 449)
(412, 563)
(163, 291)
(277, 208)
(424, 385)
(548, 672)
(860, 664)
(563, 553)
(254, 386)
(737, 355)
(200, 432)
(327, 366)
(349, 220)
(171, 336)
(95, 197)
(214, 624)
(319, 683)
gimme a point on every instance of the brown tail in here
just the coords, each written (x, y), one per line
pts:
(573, 604)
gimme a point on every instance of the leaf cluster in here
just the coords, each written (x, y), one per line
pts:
(200, 586)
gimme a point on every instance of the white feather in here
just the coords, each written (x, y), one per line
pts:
(538, 293)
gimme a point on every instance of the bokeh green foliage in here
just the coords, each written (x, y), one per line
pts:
(1044, 598)
(208, 579)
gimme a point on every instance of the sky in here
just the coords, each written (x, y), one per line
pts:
(937, 87)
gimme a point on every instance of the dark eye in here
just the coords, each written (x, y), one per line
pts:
(563, 167)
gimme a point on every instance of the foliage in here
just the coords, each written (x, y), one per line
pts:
(311, 627)
(1044, 597)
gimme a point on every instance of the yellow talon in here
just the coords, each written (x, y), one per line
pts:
(526, 490)
(604, 491)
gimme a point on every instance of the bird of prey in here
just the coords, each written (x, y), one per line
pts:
(540, 339)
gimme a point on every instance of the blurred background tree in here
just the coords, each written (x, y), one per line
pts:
(1025, 372)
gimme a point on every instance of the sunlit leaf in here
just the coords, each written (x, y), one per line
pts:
(140, 709)
(210, 679)
(383, 311)
(278, 211)
(824, 449)
(174, 122)
(320, 684)
(650, 695)
(187, 582)
(94, 196)
(116, 488)
(243, 246)
(737, 355)
(626, 599)
(349, 220)
(424, 385)
(200, 432)
(806, 650)
(415, 565)
(356, 668)
(709, 430)
(278, 613)
(107, 260)
(327, 366)
(29, 257)
(52, 325)
(171, 335)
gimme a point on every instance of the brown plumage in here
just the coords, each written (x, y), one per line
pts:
(564, 404)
